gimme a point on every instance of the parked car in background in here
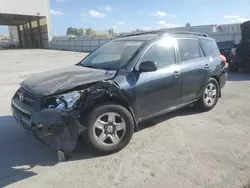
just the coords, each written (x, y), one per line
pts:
(122, 83)
(240, 53)
(8, 44)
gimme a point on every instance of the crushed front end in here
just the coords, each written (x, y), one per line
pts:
(55, 126)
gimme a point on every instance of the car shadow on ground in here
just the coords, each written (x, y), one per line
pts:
(190, 110)
(241, 75)
(21, 152)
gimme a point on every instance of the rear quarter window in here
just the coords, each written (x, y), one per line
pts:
(188, 49)
(210, 47)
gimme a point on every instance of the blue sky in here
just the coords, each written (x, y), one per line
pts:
(128, 15)
(144, 14)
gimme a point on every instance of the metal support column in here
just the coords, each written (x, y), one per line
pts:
(20, 36)
(31, 35)
(40, 32)
(24, 36)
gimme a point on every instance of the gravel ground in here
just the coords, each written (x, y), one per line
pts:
(182, 149)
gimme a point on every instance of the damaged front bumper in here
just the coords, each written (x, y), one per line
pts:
(56, 128)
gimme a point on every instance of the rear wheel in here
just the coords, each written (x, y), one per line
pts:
(110, 128)
(210, 95)
(232, 67)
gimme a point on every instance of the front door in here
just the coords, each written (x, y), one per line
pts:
(159, 90)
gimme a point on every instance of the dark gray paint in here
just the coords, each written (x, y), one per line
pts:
(143, 94)
(64, 79)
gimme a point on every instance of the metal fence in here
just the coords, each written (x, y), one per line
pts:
(79, 44)
(223, 37)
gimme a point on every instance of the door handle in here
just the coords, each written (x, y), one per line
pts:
(207, 66)
(176, 74)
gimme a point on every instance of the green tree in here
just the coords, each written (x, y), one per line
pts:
(75, 31)
(188, 24)
(79, 32)
(111, 32)
(89, 31)
(70, 31)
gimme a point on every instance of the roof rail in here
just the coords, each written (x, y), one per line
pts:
(189, 33)
(144, 33)
(162, 32)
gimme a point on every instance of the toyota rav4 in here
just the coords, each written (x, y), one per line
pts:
(120, 84)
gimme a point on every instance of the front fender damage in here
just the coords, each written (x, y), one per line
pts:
(60, 128)
(97, 93)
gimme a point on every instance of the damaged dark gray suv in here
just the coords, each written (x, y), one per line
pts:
(122, 83)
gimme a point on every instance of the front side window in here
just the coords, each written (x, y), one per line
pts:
(112, 55)
(188, 49)
(162, 53)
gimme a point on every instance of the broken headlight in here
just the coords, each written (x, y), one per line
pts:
(63, 101)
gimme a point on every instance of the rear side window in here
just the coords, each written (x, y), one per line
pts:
(189, 49)
(210, 47)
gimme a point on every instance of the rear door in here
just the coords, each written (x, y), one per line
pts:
(194, 68)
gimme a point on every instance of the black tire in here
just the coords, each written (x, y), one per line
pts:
(232, 67)
(202, 104)
(99, 111)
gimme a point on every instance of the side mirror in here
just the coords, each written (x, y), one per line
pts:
(148, 66)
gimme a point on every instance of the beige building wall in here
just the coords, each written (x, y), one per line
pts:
(25, 7)
(37, 10)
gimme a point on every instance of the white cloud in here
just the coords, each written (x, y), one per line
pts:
(54, 32)
(235, 19)
(96, 14)
(55, 12)
(167, 25)
(161, 22)
(207, 22)
(121, 22)
(239, 20)
(231, 17)
(106, 8)
(146, 28)
(3, 27)
(159, 13)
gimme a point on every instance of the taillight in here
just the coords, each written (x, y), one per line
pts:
(223, 60)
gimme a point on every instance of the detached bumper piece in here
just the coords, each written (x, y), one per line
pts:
(56, 128)
(223, 79)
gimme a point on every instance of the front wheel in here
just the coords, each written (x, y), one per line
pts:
(110, 128)
(210, 95)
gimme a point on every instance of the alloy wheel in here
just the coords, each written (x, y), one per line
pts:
(109, 129)
(210, 94)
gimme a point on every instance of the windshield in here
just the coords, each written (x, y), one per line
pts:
(112, 55)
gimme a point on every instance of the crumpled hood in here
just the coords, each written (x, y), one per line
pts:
(60, 80)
